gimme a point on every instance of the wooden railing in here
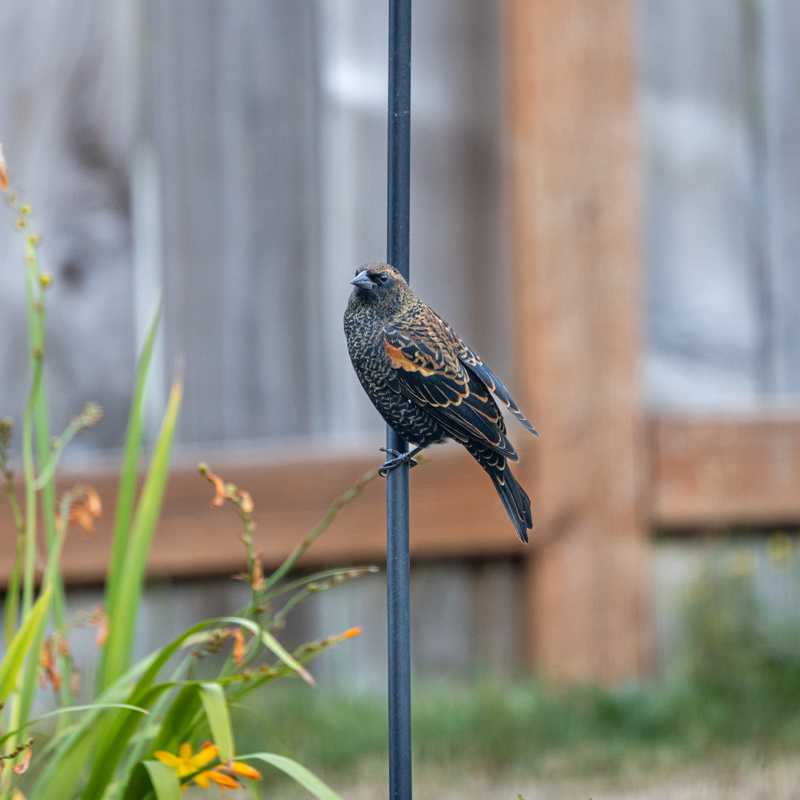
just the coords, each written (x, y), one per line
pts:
(704, 474)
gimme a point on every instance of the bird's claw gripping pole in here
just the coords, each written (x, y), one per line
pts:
(397, 554)
(397, 460)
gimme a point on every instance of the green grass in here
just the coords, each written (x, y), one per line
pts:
(738, 689)
(524, 727)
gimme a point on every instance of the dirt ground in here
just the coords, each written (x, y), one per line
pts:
(740, 780)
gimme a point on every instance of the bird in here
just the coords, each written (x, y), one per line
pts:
(428, 385)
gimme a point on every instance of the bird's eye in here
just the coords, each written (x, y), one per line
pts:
(382, 277)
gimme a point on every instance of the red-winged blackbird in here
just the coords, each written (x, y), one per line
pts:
(427, 384)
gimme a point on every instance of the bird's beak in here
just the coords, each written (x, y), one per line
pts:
(362, 280)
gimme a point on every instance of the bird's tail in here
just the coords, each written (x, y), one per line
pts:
(514, 497)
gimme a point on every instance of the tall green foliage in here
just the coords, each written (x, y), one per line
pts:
(135, 739)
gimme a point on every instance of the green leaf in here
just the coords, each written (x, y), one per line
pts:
(284, 655)
(127, 596)
(181, 713)
(164, 780)
(306, 778)
(70, 771)
(126, 491)
(70, 710)
(11, 605)
(169, 715)
(69, 755)
(113, 740)
(219, 720)
(23, 639)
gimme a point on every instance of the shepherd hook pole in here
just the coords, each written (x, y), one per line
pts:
(397, 558)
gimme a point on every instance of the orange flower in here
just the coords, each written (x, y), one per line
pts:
(220, 495)
(47, 661)
(227, 491)
(238, 645)
(206, 778)
(86, 508)
(223, 775)
(99, 619)
(245, 770)
(21, 767)
(257, 582)
(3, 172)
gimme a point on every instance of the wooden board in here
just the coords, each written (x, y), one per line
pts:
(229, 108)
(708, 298)
(718, 471)
(706, 472)
(574, 159)
(780, 209)
(64, 125)
(455, 512)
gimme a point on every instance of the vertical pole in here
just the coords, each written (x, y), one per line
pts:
(397, 558)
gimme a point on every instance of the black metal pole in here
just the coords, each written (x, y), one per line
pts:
(397, 559)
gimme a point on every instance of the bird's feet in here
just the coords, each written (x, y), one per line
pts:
(395, 460)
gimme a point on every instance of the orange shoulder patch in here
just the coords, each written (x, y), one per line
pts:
(399, 360)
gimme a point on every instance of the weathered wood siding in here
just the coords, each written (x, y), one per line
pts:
(721, 115)
(267, 124)
(233, 154)
(64, 118)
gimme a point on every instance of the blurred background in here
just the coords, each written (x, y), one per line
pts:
(605, 204)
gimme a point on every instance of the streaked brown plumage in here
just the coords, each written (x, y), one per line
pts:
(427, 384)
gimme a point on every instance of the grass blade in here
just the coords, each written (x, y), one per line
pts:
(58, 712)
(306, 778)
(21, 644)
(284, 655)
(114, 740)
(126, 491)
(164, 781)
(219, 720)
(127, 594)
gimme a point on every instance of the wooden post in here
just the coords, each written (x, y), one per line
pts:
(574, 172)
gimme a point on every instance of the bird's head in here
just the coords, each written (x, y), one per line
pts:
(380, 285)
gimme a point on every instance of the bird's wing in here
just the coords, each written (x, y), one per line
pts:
(473, 362)
(428, 371)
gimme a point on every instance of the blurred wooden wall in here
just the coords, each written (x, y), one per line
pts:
(721, 123)
(233, 154)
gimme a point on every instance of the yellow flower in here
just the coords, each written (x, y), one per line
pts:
(185, 763)
(223, 775)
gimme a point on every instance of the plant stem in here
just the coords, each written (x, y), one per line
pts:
(39, 418)
(327, 520)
